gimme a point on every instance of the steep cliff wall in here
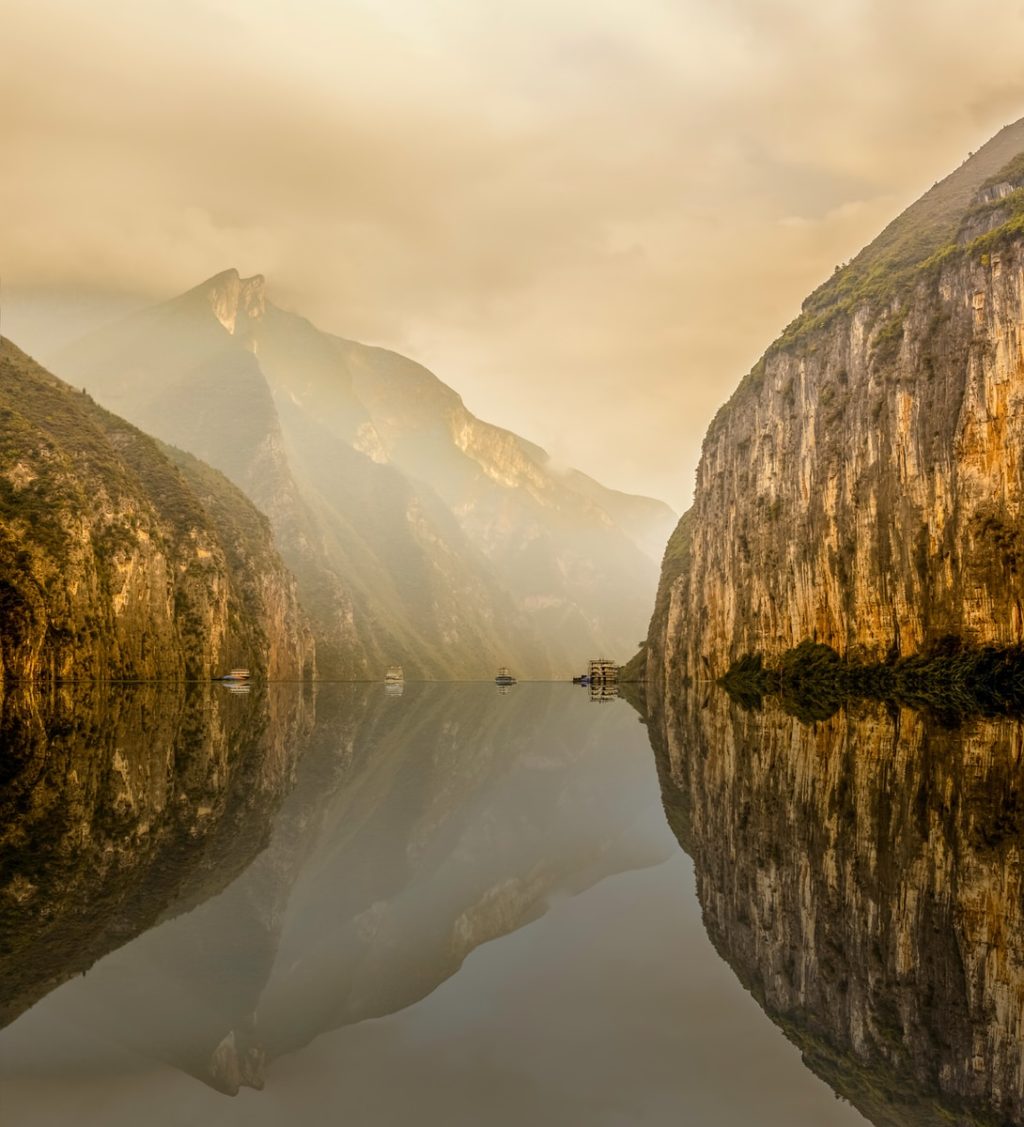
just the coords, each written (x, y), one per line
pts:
(863, 879)
(122, 559)
(863, 486)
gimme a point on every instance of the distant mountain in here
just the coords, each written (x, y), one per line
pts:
(418, 533)
(121, 558)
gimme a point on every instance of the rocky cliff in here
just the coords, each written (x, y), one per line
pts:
(862, 877)
(863, 486)
(120, 559)
(418, 532)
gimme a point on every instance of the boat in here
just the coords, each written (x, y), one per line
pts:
(602, 671)
(504, 676)
(235, 675)
(394, 675)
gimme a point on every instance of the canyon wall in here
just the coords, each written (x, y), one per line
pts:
(862, 488)
(122, 559)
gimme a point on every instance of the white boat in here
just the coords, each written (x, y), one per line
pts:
(235, 675)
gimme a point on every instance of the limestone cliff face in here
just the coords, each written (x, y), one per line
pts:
(863, 879)
(120, 559)
(863, 486)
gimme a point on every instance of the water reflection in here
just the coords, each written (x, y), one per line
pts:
(117, 808)
(862, 876)
(405, 837)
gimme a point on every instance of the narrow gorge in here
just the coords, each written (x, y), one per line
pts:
(418, 533)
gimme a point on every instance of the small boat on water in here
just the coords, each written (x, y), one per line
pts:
(394, 675)
(504, 676)
(602, 671)
(235, 675)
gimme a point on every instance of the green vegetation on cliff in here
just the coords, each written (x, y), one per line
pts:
(955, 681)
(924, 236)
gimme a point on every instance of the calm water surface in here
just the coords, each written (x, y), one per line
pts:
(456, 906)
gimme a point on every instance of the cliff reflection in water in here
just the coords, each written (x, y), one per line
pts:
(862, 877)
(121, 806)
(410, 830)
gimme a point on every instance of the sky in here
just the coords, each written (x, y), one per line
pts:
(588, 217)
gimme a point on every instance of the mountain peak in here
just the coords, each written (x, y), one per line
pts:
(235, 300)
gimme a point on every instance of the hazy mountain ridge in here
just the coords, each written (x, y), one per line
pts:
(418, 533)
(122, 559)
(862, 488)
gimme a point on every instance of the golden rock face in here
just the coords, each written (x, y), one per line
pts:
(862, 504)
(863, 488)
(122, 559)
(862, 876)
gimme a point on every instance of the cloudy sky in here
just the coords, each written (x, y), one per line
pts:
(588, 216)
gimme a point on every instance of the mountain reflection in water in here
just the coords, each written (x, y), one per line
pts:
(119, 807)
(281, 890)
(862, 877)
(409, 830)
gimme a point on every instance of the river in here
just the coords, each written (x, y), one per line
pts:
(454, 905)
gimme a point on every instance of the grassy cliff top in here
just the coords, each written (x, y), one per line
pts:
(924, 235)
(926, 226)
(915, 237)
